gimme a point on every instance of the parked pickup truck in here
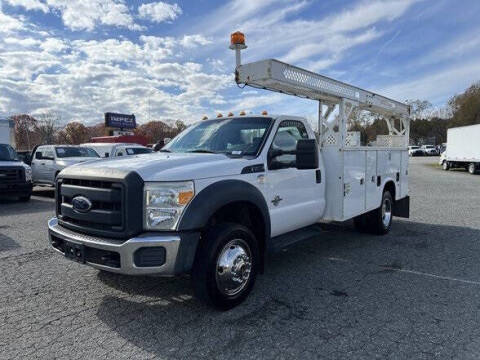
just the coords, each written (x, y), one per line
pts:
(227, 191)
(15, 176)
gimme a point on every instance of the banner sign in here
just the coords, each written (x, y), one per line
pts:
(121, 121)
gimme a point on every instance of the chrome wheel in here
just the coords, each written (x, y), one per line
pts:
(386, 212)
(234, 265)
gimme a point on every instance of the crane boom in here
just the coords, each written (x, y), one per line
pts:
(277, 76)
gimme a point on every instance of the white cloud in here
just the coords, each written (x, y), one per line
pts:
(191, 41)
(53, 45)
(29, 4)
(82, 79)
(87, 14)
(159, 11)
(9, 23)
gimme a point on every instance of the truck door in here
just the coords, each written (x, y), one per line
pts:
(38, 164)
(294, 197)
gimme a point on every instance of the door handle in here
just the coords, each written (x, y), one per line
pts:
(43, 163)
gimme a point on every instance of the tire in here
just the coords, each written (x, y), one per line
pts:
(472, 168)
(380, 220)
(25, 198)
(445, 165)
(224, 247)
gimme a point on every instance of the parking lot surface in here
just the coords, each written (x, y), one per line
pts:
(413, 294)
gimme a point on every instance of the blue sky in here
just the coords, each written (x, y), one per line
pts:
(167, 60)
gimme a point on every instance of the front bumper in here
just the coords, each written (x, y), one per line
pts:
(21, 188)
(121, 256)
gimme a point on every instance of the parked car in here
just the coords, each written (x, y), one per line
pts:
(118, 149)
(49, 160)
(15, 176)
(415, 151)
(429, 150)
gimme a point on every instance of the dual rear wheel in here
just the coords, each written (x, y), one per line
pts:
(378, 221)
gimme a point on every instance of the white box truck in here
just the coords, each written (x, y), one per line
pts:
(463, 148)
(227, 191)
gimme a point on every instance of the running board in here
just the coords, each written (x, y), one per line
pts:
(281, 242)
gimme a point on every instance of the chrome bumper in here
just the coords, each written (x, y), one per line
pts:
(125, 248)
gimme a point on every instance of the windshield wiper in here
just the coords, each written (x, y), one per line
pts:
(164, 150)
(203, 151)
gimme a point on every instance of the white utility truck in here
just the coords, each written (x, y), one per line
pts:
(226, 191)
(463, 148)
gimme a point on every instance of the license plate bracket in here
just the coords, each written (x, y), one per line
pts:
(75, 252)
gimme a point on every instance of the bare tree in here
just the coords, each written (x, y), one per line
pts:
(47, 125)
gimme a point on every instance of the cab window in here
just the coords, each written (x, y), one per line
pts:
(286, 138)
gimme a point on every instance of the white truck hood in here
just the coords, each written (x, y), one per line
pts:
(13, 163)
(173, 166)
(74, 160)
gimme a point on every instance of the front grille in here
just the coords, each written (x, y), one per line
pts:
(114, 211)
(11, 175)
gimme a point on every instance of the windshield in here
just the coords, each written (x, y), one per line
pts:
(68, 151)
(236, 136)
(135, 151)
(7, 153)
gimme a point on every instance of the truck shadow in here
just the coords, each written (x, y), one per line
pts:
(10, 206)
(308, 284)
(6, 242)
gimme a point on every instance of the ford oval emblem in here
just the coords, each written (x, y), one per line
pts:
(81, 204)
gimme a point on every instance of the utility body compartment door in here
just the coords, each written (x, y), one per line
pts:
(373, 191)
(354, 183)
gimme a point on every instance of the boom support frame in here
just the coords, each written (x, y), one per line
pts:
(280, 77)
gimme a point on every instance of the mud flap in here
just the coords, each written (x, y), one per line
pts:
(401, 208)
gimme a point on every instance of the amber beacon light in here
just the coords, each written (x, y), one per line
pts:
(237, 43)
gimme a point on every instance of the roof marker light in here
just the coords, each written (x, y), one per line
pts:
(230, 114)
(242, 113)
(219, 115)
(205, 117)
(264, 112)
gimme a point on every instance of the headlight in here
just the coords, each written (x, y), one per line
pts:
(164, 204)
(28, 174)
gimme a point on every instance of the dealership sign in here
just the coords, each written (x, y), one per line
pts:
(121, 121)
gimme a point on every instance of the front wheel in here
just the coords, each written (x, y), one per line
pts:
(445, 165)
(225, 266)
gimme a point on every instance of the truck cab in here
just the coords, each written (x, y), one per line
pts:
(15, 176)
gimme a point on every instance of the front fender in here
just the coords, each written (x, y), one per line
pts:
(217, 195)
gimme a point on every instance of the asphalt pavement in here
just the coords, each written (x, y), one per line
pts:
(413, 294)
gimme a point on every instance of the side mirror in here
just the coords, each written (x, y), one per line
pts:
(107, 154)
(27, 160)
(307, 154)
(38, 156)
